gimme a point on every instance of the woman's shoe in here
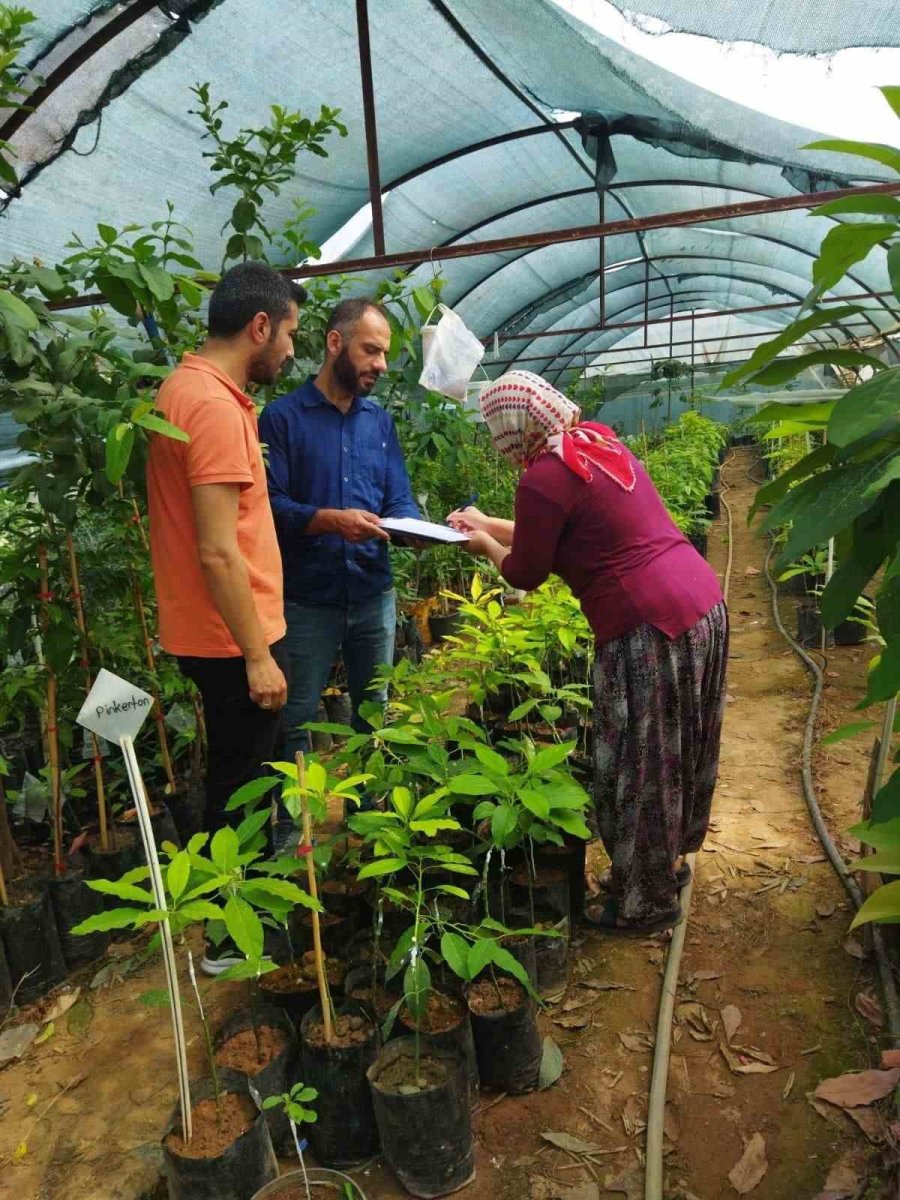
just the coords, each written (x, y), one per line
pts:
(607, 920)
(682, 878)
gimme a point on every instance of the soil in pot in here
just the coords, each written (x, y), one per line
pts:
(370, 993)
(446, 1025)
(345, 1132)
(547, 891)
(294, 1187)
(229, 1159)
(30, 940)
(161, 822)
(507, 1041)
(267, 1054)
(294, 987)
(423, 1115)
(73, 902)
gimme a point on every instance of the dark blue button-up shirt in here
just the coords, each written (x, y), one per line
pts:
(320, 458)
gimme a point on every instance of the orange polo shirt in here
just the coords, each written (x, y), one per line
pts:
(224, 448)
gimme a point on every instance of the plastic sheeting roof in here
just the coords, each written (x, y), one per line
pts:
(451, 77)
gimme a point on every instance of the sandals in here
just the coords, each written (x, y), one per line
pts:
(607, 920)
(682, 878)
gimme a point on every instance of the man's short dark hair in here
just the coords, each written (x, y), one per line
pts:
(345, 315)
(248, 289)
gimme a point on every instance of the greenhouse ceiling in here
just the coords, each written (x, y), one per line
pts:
(466, 127)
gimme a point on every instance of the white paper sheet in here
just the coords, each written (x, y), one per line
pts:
(426, 530)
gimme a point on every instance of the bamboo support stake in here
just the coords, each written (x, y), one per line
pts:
(96, 757)
(4, 894)
(52, 728)
(324, 998)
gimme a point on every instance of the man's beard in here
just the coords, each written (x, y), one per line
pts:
(264, 369)
(349, 378)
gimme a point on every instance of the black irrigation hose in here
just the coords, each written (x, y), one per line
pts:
(885, 974)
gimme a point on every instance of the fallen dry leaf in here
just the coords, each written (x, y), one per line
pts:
(596, 986)
(731, 1020)
(630, 1184)
(788, 1087)
(571, 1005)
(854, 948)
(582, 1191)
(693, 1014)
(61, 1006)
(869, 1007)
(14, 1042)
(870, 1122)
(638, 1042)
(858, 1087)
(751, 1167)
(890, 1058)
(825, 910)
(845, 1179)
(633, 1116)
(671, 1125)
(574, 1021)
(701, 976)
(574, 1145)
(746, 1060)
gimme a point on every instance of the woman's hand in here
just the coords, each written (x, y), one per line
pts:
(479, 543)
(468, 518)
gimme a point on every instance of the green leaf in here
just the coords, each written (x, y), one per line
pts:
(400, 952)
(252, 824)
(856, 567)
(884, 676)
(455, 953)
(244, 926)
(471, 785)
(156, 424)
(492, 760)
(847, 731)
(886, 802)
(536, 803)
(243, 214)
(116, 918)
(402, 801)
(886, 861)
(522, 710)
(199, 910)
(882, 905)
(893, 266)
(884, 837)
(381, 866)
(449, 889)
(249, 969)
(431, 825)
(773, 491)
(107, 234)
(416, 986)
(504, 823)
(875, 151)
(550, 757)
(552, 1063)
(123, 891)
(224, 849)
(119, 444)
(892, 95)
(844, 246)
(252, 791)
(570, 822)
(505, 961)
(118, 294)
(281, 889)
(480, 954)
(154, 998)
(866, 408)
(158, 280)
(888, 206)
(764, 354)
(780, 372)
(178, 873)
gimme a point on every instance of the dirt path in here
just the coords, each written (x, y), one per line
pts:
(766, 937)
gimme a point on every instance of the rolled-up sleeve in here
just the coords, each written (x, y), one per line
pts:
(539, 524)
(290, 516)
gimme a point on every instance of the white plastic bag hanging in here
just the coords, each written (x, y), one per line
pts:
(450, 354)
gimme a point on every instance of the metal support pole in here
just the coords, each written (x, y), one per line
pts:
(692, 353)
(368, 92)
(646, 298)
(602, 244)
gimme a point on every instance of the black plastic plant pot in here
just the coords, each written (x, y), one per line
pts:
(278, 1075)
(346, 898)
(240, 1169)
(31, 946)
(547, 891)
(161, 822)
(522, 948)
(570, 857)
(297, 997)
(849, 633)
(345, 1132)
(322, 1185)
(458, 1038)
(334, 931)
(713, 503)
(809, 627)
(700, 542)
(507, 1041)
(444, 625)
(551, 954)
(73, 902)
(424, 1117)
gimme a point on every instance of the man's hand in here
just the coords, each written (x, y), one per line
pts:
(268, 687)
(357, 525)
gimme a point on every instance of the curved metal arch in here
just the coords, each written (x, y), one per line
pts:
(762, 237)
(588, 276)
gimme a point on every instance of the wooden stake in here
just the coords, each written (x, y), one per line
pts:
(52, 728)
(4, 895)
(324, 997)
(96, 756)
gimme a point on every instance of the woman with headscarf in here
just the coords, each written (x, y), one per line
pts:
(586, 510)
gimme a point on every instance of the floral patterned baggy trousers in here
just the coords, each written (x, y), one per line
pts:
(658, 708)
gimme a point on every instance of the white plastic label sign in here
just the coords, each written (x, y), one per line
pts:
(114, 708)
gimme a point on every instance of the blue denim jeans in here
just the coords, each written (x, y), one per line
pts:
(363, 632)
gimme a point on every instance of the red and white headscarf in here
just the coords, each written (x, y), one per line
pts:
(527, 417)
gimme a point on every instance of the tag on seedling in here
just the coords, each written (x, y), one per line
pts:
(114, 708)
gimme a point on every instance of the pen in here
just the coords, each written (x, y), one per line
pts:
(471, 500)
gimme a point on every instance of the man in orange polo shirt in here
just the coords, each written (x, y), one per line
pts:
(215, 556)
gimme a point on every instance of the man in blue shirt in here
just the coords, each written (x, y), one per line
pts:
(335, 467)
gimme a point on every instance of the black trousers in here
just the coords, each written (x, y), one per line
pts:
(241, 736)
